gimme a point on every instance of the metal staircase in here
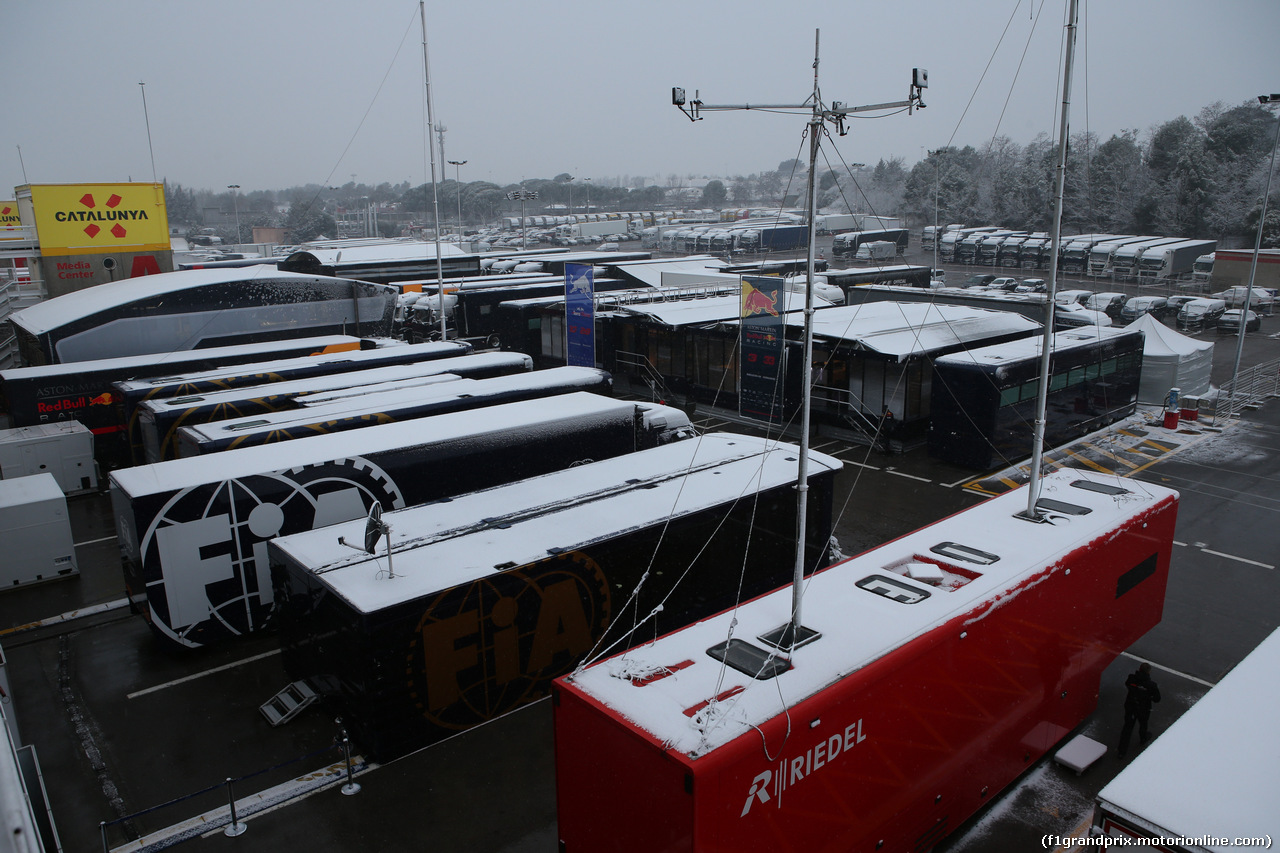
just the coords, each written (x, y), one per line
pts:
(288, 703)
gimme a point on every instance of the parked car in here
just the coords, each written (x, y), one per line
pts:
(1003, 283)
(978, 280)
(1072, 297)
(1176, 303)
(1073, 315)
(1032, 285)
(1156, 306)
(1230, 321)
(1200, 313)
(1262, 298)
(1109, 303)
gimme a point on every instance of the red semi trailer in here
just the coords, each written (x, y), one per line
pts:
(948, 661)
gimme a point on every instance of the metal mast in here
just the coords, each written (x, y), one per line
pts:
(1042, 396)
(794, 634)
(435, 195)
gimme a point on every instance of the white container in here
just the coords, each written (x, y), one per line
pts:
(36, 531)
(63, 449)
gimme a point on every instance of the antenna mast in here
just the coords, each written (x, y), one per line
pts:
(1042, 395)
(435, 196)
(794, 634)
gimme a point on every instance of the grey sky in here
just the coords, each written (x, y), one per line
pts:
(268, 94)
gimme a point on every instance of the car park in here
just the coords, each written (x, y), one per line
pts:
(1230, 321)
(1156, 306)
(1199, 313)
(1110, 303)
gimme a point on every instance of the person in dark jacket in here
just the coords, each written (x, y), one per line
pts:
(1142, 693)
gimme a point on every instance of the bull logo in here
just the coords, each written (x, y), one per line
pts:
(757, 302)
(103, 399)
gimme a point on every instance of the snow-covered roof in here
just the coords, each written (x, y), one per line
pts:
(1031, 347)
(494, 421)
(129, 363)
(334, 381)
(441, 545)
(650, 272)
(61, 310)
(904, 329)
(858, 626)
(442, 389)
(1162, 340)
(1216, 771)
(395, 250)
(276, 365)
(710, 309)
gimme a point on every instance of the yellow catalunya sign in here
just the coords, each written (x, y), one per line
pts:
(9, 219)
(82, 219)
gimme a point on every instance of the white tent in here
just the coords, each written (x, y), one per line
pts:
(1171, 360)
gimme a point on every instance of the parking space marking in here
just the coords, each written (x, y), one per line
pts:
(1086, 460)
(1169, 670)
(198, 675)
(1110, 454)
(909, 476)
(1237, 559)
(94, 541)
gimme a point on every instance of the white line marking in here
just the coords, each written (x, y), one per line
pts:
(1237, 559)
(860, 464)
(956, 483)
(216, 669)
(96, 541)
(911, 476)
(1172, 671)
(68, 616)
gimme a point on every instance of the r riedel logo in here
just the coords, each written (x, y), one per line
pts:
(92, 215)
(793, 770)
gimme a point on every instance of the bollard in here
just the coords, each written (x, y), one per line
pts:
(352, 786)
(235, 827)
(102, 827)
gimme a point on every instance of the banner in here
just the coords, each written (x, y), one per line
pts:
(579, 316)
(88, 219)
(761, 348)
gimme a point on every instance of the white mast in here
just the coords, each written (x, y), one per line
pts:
(435, 196)
(793, 634)
(1042, 397)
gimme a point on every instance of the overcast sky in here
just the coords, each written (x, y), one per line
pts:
(273, 93)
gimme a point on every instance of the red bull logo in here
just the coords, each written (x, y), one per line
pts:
(103, 399)
(757, 302)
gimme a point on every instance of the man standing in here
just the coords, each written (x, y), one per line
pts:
(1142, 692)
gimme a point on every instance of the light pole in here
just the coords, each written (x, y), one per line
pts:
(235, 202)
(457, 179)
(1266, 101)
(569, 181)
(522, 196)
(587, 181)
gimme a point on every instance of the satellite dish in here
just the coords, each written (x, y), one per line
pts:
(373, 528)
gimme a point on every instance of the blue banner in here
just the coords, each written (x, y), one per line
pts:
(579, 316)
(763, 332)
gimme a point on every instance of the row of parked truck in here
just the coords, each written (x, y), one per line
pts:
(1120, 257)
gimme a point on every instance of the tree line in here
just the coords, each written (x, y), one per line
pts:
(1199, 178)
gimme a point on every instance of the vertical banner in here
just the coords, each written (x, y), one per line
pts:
(579, 316)
(760, 383)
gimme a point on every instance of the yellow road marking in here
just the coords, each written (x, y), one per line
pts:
(1110, 455)
(1086, 460)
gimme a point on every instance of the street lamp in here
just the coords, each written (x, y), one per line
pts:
(457, 179)
(569, 181)
(522, 196)
(235, 201)
(1265, 100)
(587, 181)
